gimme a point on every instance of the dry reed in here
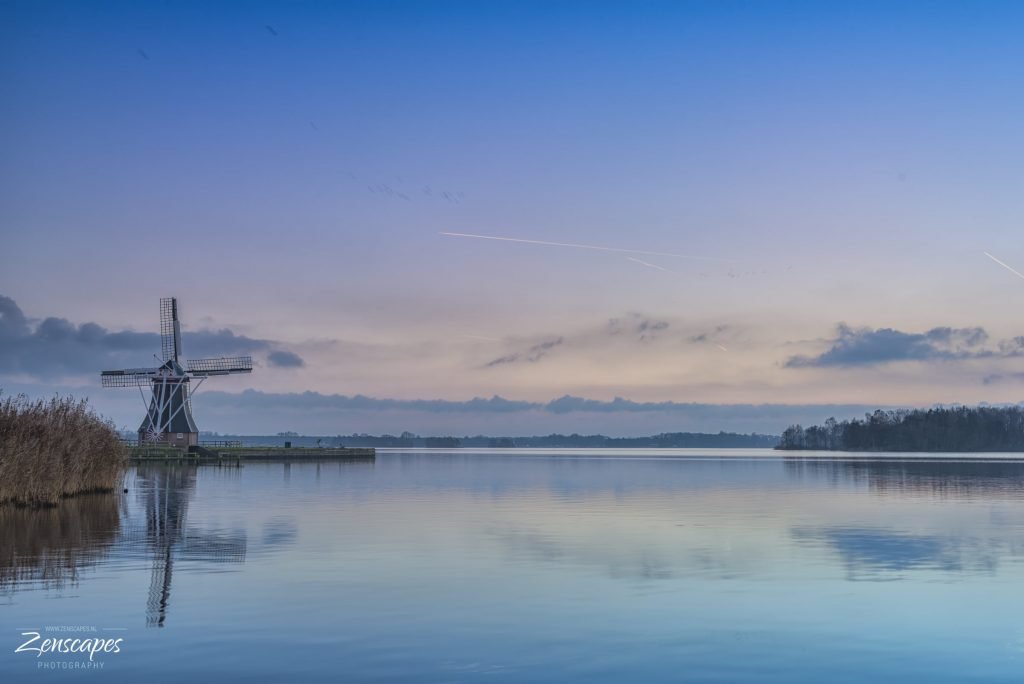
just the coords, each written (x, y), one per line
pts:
(56, 448)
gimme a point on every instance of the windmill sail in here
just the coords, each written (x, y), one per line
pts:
(170, 329)
(169, 408)
(220, 366)
(129, 377)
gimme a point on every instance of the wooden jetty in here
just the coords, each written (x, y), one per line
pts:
(233, 454)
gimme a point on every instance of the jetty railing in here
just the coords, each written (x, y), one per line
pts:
(222, 444)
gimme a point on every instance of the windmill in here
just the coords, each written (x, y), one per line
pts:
(169, 414)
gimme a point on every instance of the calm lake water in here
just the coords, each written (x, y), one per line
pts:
(531, 566)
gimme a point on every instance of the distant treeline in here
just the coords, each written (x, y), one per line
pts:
(676, 440)
(939, 429)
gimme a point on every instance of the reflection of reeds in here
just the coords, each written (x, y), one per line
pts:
(56, 448)
(52, 544)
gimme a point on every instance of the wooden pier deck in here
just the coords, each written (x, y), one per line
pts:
(206, 454)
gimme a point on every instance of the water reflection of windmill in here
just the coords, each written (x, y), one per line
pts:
(169, 416)
(167, 538)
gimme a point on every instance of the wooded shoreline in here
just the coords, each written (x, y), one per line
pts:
(956, 430)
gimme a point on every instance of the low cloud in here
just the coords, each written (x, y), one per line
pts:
(314, 413)
(711, 336)
(854, 347)
(1003, 377)
(57, 347)
(643, 328)
(255, 399)
(621, 334)
(285, 359)
(532, 355)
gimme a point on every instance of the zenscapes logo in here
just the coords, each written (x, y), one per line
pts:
(70, 647)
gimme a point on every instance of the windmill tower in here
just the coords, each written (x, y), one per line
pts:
(169, 415)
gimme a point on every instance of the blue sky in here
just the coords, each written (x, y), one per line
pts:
(285, 170)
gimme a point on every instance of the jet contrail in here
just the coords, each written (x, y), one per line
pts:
(1006, 266)
(644, 263)
(721, 347)
(576, 246)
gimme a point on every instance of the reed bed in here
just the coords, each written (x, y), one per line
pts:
(50, 449)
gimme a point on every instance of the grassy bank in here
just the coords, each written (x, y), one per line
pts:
(56, 448)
